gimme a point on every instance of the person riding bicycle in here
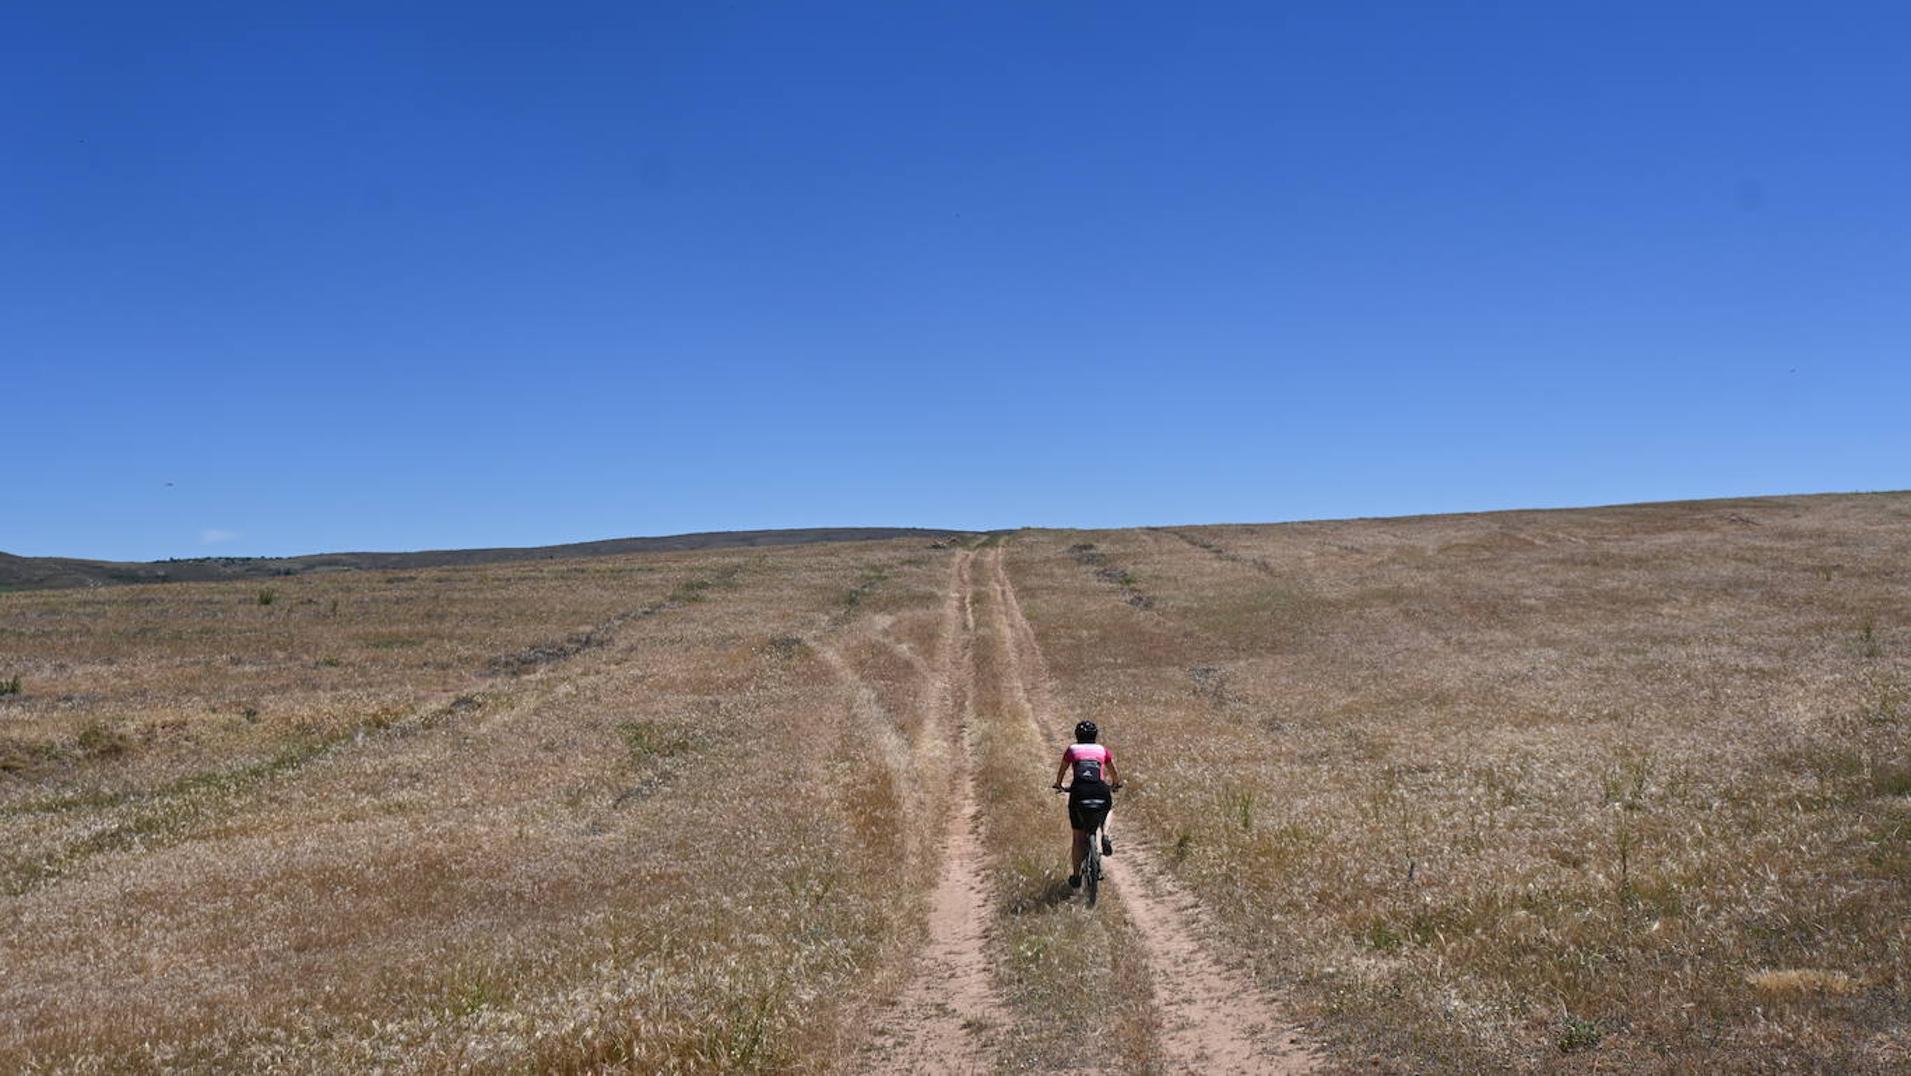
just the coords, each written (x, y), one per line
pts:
(1091, 794)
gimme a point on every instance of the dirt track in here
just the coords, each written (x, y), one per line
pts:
(944, 1018)
(1214, 1020)
(1212, 1017)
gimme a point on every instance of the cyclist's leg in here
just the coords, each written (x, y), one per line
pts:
(1107, 816)
(1078, 842)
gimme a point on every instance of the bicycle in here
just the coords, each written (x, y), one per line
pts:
(1091, 864)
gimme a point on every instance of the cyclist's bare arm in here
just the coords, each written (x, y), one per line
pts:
(1061, 772)
(1114, 776)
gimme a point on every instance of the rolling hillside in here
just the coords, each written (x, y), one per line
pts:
(1625, 789)
(32, 573)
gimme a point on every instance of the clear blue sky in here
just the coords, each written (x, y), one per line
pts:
(290, 277)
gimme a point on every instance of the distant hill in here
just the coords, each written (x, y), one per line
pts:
(45, 573)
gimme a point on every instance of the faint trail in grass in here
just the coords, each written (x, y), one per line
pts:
(533, 657)
(876, 729)
(690, 590)
(163, 816)
(1029, 686)
(1221, 552)
(1123, 581)
(1213, 1017)
(167, 815)
(947, 1017)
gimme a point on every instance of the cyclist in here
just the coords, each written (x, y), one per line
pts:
(1091, 795)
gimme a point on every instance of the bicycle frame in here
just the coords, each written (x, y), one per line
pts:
(1091, 872)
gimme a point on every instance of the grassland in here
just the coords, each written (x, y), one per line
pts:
(1623, 788)
(1527, 790)
(359, 827)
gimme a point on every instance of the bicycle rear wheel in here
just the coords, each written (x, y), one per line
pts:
(1091, 871)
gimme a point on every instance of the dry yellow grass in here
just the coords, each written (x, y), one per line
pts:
(677, 847)
(1522, 789)
(1803, 981)
(1074, 978)
(1626, 787)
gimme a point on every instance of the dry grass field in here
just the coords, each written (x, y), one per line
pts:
(1624, 789)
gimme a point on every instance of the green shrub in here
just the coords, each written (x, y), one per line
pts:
(651, 739)
(1892, 779)
(10, 686)
(1576, 1034)
(101, 740)
(1183, 844)
(268, 596)
(1241, 808)
(787, 646)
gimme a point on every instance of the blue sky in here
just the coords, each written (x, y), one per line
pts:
(284, 278)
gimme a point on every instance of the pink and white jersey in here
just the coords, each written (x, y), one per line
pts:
(1088, 761)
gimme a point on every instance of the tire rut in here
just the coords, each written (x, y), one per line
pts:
(1213, 1017)
(948, 1015)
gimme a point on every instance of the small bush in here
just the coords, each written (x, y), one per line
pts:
(1241, 808)
(697, 588)
(1576, 1034)
(651, 739)
(1884, 711)
(390, 641)
(1868, 639)
(100, 740)
(1381, 937)
(19, 756)
(268, 596)
(1892, 779)
(786, 646)
(10, 686)
(1085, 553)
(871, 579)
(1183, 844)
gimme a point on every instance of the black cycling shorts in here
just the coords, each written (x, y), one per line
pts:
(1088, 805)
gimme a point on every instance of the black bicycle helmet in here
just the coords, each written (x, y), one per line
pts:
(1085, 732)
